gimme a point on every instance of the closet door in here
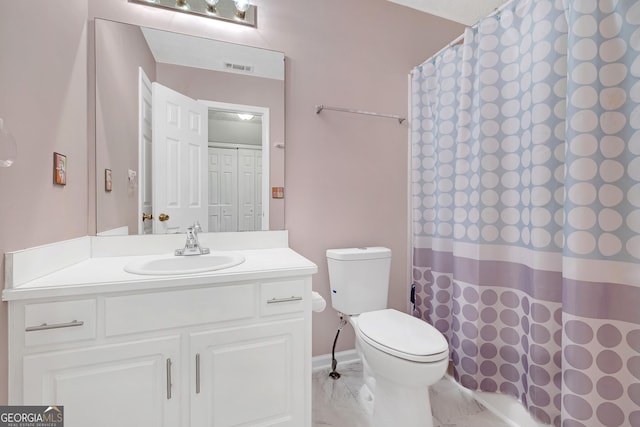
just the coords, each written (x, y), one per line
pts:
(247, 189)
(258, 195)
(223, 189)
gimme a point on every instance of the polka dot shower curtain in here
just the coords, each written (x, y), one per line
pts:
(526, 207)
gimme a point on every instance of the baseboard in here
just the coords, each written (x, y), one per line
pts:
(343, 357)
(505, 407)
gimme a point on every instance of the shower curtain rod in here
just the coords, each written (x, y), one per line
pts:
(321, 107)
(460, 38)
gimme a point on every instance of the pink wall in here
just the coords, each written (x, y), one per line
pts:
(43, 101)
(346, 175)
(120, 50)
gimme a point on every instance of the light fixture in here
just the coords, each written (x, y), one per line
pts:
(241, 8)
(244, 116)
(8, 148)
(211, 5)
(236, 11)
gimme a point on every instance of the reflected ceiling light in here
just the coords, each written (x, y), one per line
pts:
(241, 8)
(245, 116)
(236, 11)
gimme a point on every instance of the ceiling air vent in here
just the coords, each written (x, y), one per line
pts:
(238, 67)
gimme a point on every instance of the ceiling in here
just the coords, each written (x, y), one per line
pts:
(230, 116)
(466, 12)
(180, 49)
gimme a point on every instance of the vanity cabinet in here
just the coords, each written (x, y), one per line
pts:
(228, 354)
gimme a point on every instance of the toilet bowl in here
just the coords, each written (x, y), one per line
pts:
(401, 355)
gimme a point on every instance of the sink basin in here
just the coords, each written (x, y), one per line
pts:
(183, 264)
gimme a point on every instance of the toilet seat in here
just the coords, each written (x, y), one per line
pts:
(402, 335)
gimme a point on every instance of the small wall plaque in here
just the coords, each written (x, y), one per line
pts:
(59, 169)
(108, 180)
(277, 192)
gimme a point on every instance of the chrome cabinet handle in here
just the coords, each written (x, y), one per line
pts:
(168, 378)
(46, 326)
(275, 300)
(197, 373)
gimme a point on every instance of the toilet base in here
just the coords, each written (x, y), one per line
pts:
(401, 406)
(400, 387)
(396, 390)
(365, 399)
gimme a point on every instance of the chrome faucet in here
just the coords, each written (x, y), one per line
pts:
(192, 247)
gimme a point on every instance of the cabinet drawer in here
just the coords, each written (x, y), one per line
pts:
(166, 310)
(59, 322)
(282, 297)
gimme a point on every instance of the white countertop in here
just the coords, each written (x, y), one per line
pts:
(106, 275)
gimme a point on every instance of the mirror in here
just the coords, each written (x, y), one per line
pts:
(233, 105)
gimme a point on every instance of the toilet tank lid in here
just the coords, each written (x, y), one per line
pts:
(349, 254)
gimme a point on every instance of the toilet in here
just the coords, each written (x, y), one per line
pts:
(402, 355)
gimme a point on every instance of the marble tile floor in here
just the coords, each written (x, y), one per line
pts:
(335, 402)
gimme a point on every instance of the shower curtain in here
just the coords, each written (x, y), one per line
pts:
(526, 207)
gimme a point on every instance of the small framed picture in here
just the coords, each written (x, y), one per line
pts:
(59, 169)
(108, 180)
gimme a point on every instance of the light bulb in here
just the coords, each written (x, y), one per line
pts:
(211, 5)
(245, 116)
(8, 147)
(182, 4)
(241, 6)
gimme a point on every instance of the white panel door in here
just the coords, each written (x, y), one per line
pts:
(180, 129)
(126, 385)
(145, 134)
(259, 212)
(223, 189)
(247, 189)
(249, 376)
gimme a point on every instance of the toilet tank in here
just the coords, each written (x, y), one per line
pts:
(359, 279)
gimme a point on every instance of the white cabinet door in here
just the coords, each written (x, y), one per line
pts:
(125, 385)
(249, 376)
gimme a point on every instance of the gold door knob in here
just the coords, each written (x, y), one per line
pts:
(163, 217)
(147, 216)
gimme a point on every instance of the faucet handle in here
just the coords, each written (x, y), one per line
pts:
(196, 227)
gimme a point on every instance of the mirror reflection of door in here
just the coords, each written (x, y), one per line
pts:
(179, 157)
(221, 186)
(145, 136)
